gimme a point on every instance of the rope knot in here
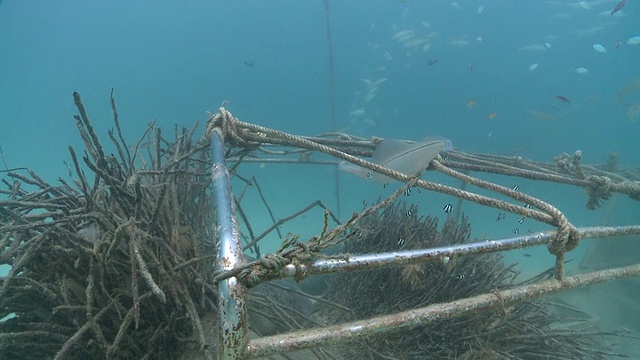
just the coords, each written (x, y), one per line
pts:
(566, 240)
(233, 135)
(631, 188)
(269, 266)
(273, 262)
(598, 189)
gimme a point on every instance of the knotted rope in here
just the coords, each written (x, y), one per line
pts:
(598, 187)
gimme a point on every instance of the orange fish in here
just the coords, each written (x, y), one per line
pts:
(492, 115)
(472, 103)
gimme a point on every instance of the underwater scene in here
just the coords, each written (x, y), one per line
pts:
(520, 119)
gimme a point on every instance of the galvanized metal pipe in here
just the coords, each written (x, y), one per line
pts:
(408, 319)
(231, 293)
(374, 261)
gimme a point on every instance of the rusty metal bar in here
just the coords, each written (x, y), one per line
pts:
(374, 261)
(231, 293)
(408, 319)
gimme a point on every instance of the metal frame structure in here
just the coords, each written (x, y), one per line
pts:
(231, 293)
(234, 342)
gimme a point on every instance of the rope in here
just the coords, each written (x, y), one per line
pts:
(228, 125)
(598, 189)
(568, 170)
(293, 251)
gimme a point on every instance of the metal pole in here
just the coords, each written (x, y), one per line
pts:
(231, 293)
(309, 338)
(398, 258)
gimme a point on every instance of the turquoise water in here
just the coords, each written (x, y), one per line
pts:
(486, 74)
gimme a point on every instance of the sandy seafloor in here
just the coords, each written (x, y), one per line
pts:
(486, 74)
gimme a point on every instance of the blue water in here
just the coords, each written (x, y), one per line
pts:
(175, 60)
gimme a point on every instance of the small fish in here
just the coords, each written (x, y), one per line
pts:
(500, 216)
(364, 202)
(532, 67)
(617, 45)
(581, 70)
(563, 99)
(515, 188)
(432, 61)
(599, 48)
(468, 225)
(470, 68)
(534, 47)
(249, 63)
(447, 208)
(403, 35)
(516, 231)
(633, 40)
(526, 255)
(492, 115)
(619, 7)
(401, 242)
(385, 185)
(541, 115)
(407, 192)
(377, 82)
(409, 212)
(521, 220)
(528, 206)
(472, 103)
(459, 277)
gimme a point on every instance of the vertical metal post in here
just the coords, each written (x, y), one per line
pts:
(231, 293)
